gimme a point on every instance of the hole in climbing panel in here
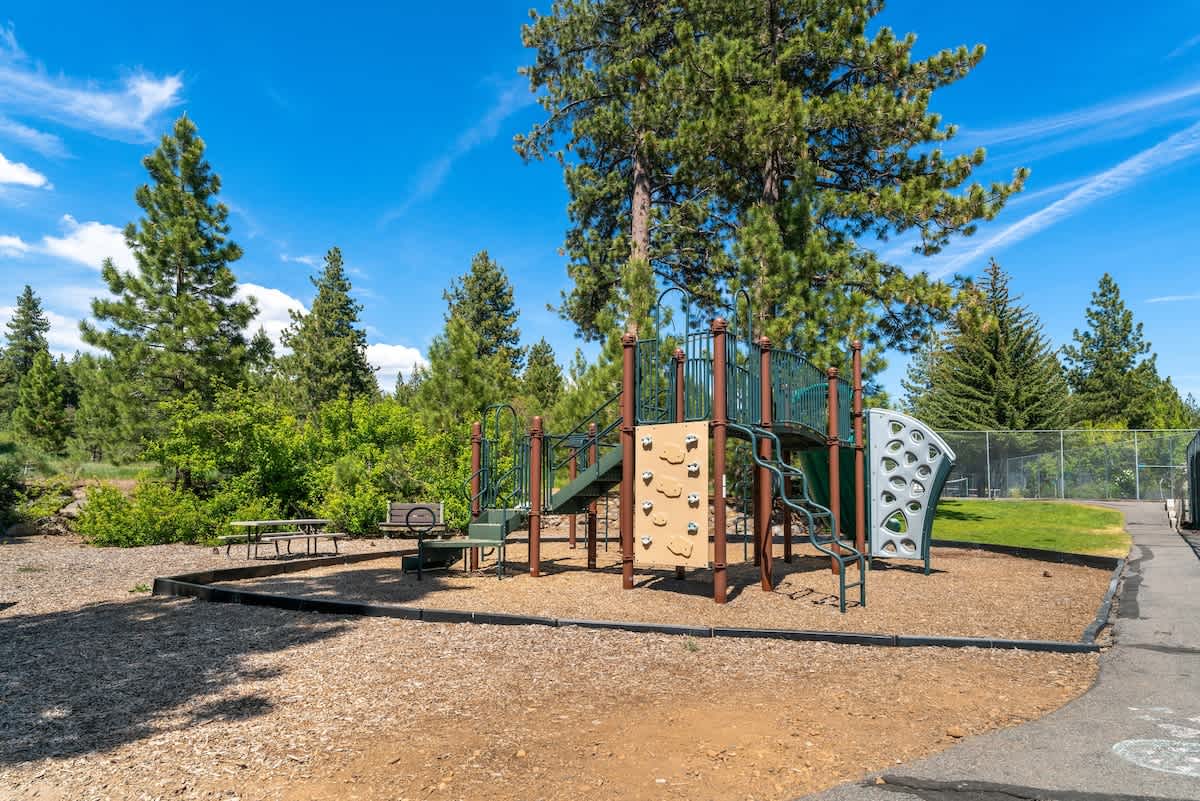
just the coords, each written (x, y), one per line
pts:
(910, 458)
(933, 453)
(897, 482)
(889, 498)
(896, 427)
(894, 446)
(917, 436)
(923, 471)
(914, 507)
(889, 464)
(908, 545)
(917, 489)
(896, 523)
(889, 547)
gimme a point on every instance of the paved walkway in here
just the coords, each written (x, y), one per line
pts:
(1134, 735)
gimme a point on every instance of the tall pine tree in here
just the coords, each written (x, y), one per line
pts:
(483, 299)
(329, 349)
(41, 414)
(174, 326)
(1110, 368)
(26, 338)
(997, 370)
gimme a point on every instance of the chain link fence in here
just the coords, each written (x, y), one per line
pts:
(1080, 464)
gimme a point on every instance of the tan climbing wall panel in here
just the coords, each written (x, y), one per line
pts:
(671, 497)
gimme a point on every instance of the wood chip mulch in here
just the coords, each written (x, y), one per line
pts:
(108, 694)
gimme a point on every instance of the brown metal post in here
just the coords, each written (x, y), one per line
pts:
(628, 466)
(680, 417)
(835, 483)
(572, 471)
(476, 466)
(592, 523)
(860, 453)
(720, 421)
(764, 501)
(787, 515)
(535, 498)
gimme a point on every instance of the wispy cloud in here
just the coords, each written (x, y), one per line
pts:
(19, 174)
(1099, 121)
(1183, 48)
(311, 261)
(128, 110)
(1170, 151)
(1173, 298)
(38, 141)
(511, 99)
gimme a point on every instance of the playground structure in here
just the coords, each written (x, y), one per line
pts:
(663, 441)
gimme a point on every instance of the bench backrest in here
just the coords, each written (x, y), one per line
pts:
(398, 513)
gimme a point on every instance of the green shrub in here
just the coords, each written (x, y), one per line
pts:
(10, 488)
(357, 511)
(153, 515)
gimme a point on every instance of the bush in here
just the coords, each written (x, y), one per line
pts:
(155, 514)
(356, 511)
(10, 489)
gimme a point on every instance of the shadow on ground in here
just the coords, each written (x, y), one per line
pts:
(90, 679)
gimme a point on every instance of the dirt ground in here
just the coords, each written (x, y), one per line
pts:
(969, 593)
(112, 694)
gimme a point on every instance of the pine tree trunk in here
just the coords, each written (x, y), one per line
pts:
(639, 225)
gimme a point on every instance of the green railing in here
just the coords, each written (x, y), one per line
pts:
(558, 450)
(742, 370)
(800, 392)
(656, 383)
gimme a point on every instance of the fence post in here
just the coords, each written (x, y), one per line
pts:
(535, 497)
(860, 451)
(987, 455)
(1062, 472)
(1137, 469)
(720, 410)
(680, 417)
(572, 472)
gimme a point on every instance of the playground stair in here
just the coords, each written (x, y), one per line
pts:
(798, 500)
(591, 483)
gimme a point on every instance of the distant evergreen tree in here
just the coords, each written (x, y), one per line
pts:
(174, 327)
(407, 388)
(1110, 368)
(459, 382)
(41, 415)
(329, 349)
(918, 382)
(483, 299)
(997, 369)
(101, 429)
(26, 337)
(543, 378)
(260, 354)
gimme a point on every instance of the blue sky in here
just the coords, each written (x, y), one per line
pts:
(388, 132)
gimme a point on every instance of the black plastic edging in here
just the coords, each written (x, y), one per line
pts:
(1102, 614)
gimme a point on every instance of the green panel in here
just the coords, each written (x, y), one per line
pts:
(588, 485)
(815, 464)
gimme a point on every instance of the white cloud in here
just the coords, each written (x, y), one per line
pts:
(90, 243)
(1173, 298)
(511, 100)
(12, 247)
(274, 309)
(311, 261)
(39, 141)
(391, 361)
(14, 172)
(128, 110)
(1142, 111)
(1152, 160)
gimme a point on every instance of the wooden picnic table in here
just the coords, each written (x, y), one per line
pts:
(309, 529)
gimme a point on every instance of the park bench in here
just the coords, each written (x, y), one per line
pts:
(257, 533)
(409, 519)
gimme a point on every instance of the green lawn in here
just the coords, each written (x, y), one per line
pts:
(1071, 527)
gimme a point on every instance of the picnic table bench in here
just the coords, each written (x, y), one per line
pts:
(309, 529)
(408, 519)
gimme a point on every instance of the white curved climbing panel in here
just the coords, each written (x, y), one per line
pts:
(908, 465)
